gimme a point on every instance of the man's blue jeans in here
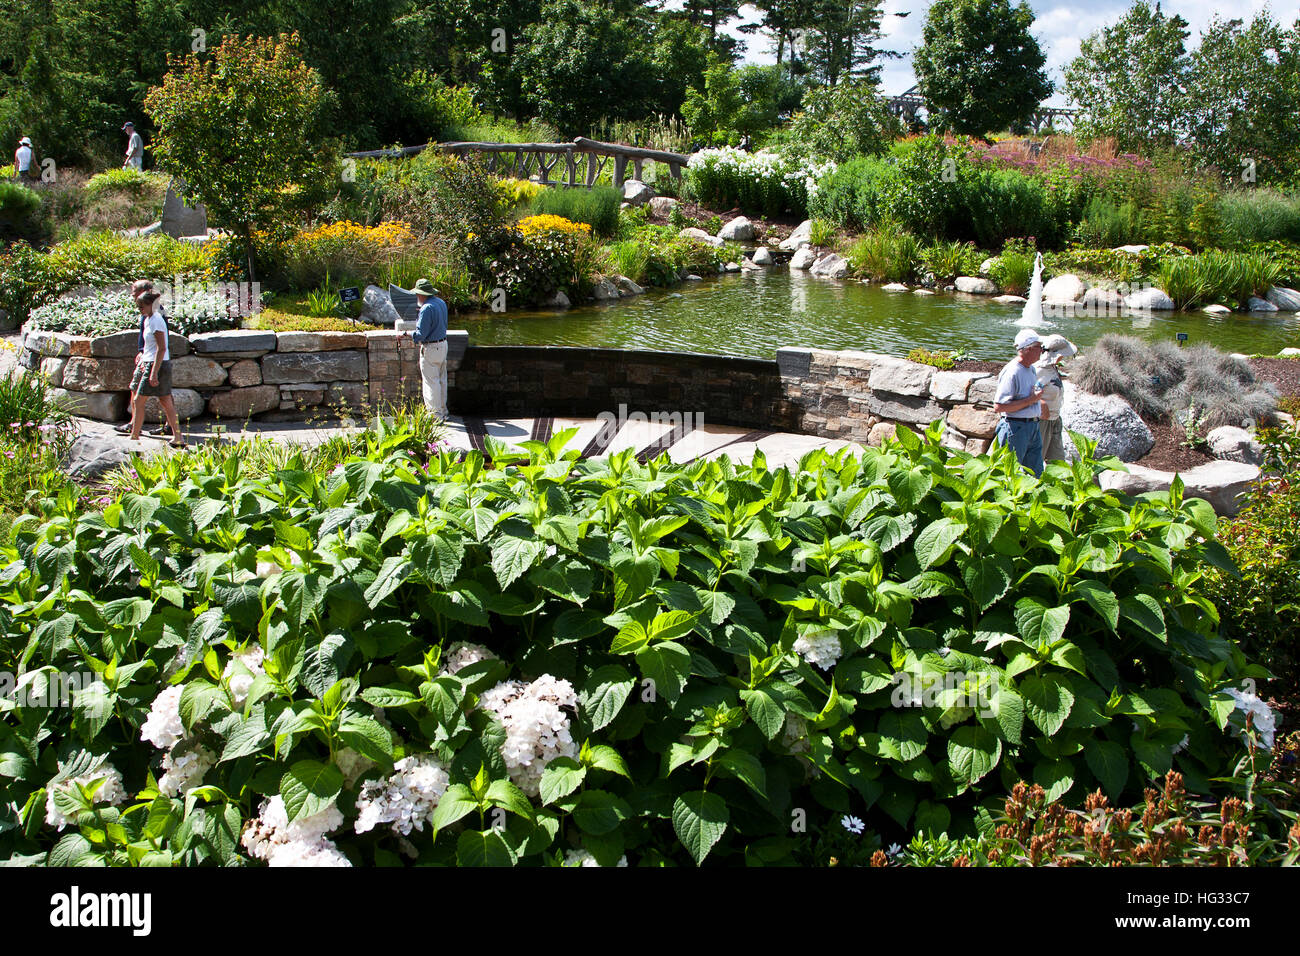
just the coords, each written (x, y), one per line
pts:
(1026, 441)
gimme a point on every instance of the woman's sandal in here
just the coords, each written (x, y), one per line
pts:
(178, 444)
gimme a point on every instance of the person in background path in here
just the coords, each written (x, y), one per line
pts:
(153, 375)
(431, 335)
(1056, 349)
(134, 148)
(23, 158)
(1019, 401)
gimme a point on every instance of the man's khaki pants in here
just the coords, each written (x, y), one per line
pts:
(433, 374)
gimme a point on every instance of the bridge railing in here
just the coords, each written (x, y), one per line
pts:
(580, 163)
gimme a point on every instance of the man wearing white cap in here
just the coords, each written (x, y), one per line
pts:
(1019, 401)
(1056, 348)
(134, 148)
(23, 158)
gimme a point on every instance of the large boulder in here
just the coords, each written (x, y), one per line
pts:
(626, 287)
(605, 291)
(1221, 483)
(739, 229)
(319, 341)
(239, 343)
(699, 235)
(1108, 420)
(1098, 301)
(637, 193)
(180, 220)
(244, 373)
(1148, 300)
(195, 371)
(972, 421)
(976, 285)
(98, 375)
(831, 266)
(661, 207)
(802, 236)
(1234, 444)
(898, 376)
(1064, 290)
(104, 406)
(1286, 300)
(762, 257)
(558, 300)
(293, 368)
(803, 258)
(189, 404)
(1256, 304)
(240, 403)
(376, 306)
(91, 456)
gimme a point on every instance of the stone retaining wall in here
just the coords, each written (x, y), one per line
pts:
(858, 396)
(236, 374)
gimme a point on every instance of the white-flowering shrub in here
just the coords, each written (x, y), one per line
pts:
(537, 729)
(462, 654)
(820, 648)
(241, 671)
(584, 858)
(1261, 716)
(304, 842)
(767, 181)
(112, 792)
(183, 769)
(406, 799)
(163, 727)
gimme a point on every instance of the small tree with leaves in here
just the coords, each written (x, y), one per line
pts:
(244, 128)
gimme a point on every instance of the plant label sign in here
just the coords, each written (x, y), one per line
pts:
(350, 294)
(1182, 337)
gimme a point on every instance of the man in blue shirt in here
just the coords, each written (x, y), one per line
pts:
(1019, 401)
(431, 335)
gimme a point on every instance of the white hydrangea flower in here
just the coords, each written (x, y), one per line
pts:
(113, 792)
(583, 858)
(819, 648)
(353, 765)
(406, 799)
(183, 771)
(271, 837)
(163, 727)
(462, 654)
(1264, 720)
(241, 670)
(537, 730)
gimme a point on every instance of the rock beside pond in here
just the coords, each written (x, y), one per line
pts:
(699, 235)
(626, 287)
(894, 287)
(1289, 352)
(922, 292)
(803, 258)
(1066, 289)
(802, 236)
(1102, 300)
(1010, 299)
(1234, 444)
(831, 266)
(1216, 309)
(636, 192)
(1256, 304)
(763, 257)
(739, 229)
(1148, 300)
(604, 291)
(558, 301)
(986, 266)
(1108, 420)
(1132, 250)
(1286, 300)
(1218, 482)
(976, 285)
(731, 267)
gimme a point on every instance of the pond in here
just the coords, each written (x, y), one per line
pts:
(754, 314)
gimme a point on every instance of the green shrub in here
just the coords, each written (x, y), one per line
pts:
(129, 181)
(20, 211)
(24, 282)
(1259, 215)
(885, 255)
(1001, 204)
(1107, 223)
(851, 195)
(711, 646)
(1013, 269)
(821, 233)
(1261, 607)
(947, 260)
(34, 436)
(631, 258)
(113, 311)
(1159, 380)
(940, 360)
(1216, 276)
(597, 207)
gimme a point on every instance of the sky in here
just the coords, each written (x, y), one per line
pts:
(1059, 27)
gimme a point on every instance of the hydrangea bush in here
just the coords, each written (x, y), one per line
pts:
(535, 659)
(114, 311)
(768, 181)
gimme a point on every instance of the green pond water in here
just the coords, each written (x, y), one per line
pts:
(754, 314)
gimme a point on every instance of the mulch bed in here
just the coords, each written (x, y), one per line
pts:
(1169, 452)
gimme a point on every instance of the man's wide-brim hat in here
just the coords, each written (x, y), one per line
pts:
(424, 287)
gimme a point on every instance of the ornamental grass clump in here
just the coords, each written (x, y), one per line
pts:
(503, 657)
(1161, 380)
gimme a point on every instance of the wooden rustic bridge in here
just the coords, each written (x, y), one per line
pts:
(579, 163)
(907, 105)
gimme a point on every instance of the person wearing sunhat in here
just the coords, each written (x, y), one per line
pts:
(23, 158)
(1019, 402)
(134, 148)
(431, 335)
(1056, 349)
